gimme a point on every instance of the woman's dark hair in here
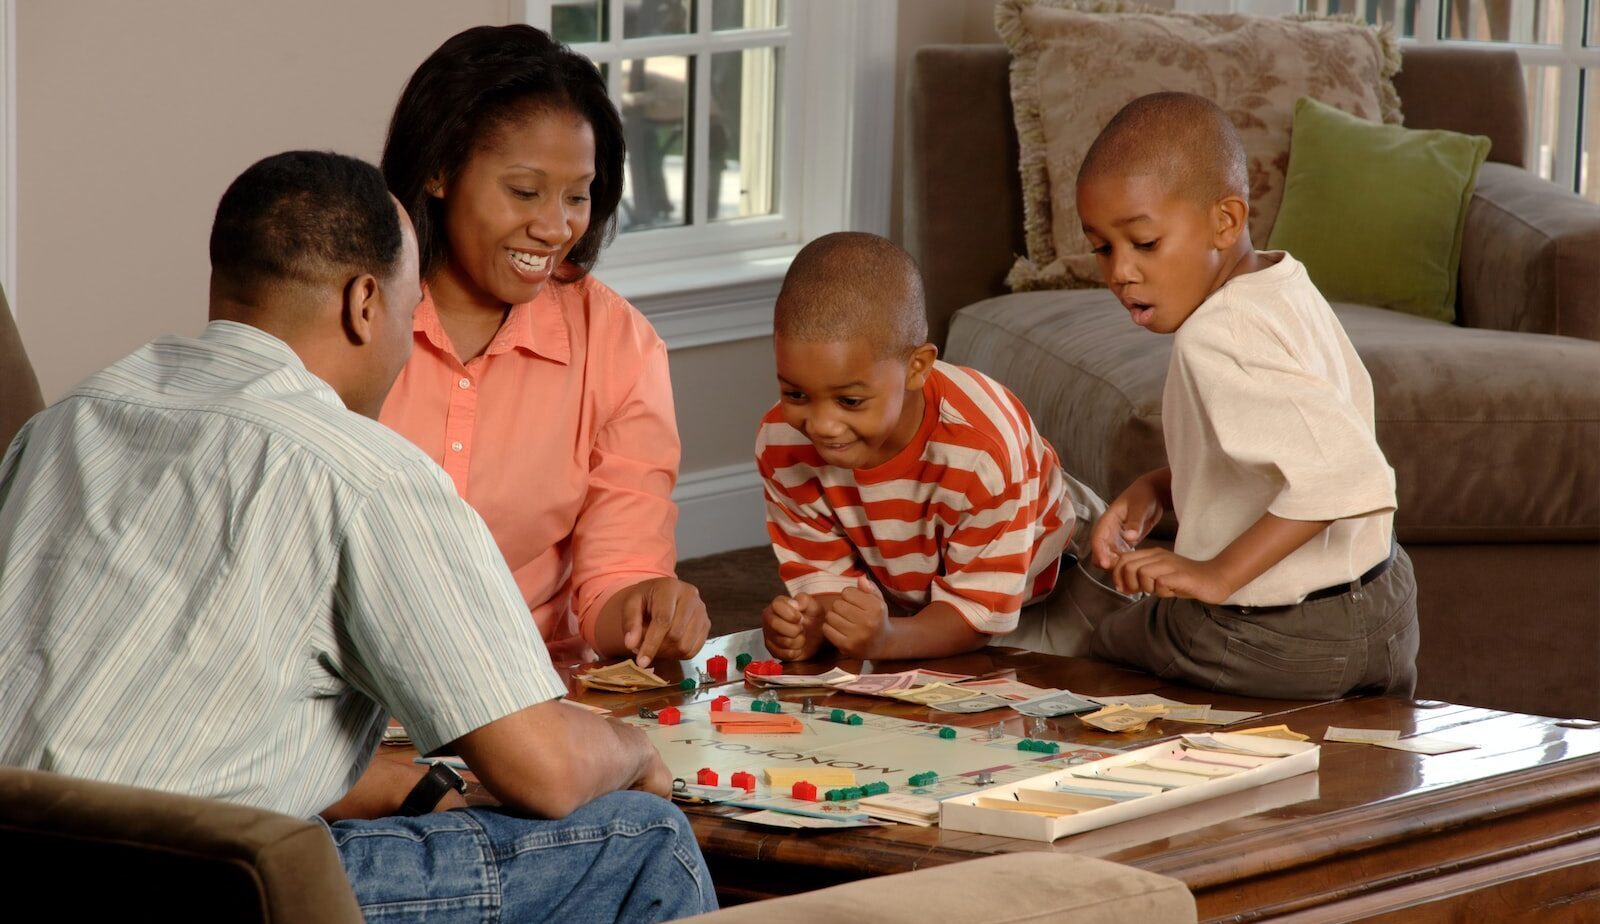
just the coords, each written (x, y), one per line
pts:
(474, 84)
(305, 216)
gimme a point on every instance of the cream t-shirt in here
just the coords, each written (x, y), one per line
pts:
(1267, 409)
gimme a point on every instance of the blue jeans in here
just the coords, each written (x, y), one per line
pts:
(627, 856)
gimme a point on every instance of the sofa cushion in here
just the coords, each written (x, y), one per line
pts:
(1073, 69)
(1026, 886)
(1375, 212)
(1492, 435)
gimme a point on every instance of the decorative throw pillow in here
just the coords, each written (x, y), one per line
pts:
(1375, 212)
(1072, 69)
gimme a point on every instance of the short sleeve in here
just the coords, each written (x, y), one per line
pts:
(988, 554)
(1286, 424)
(814, 554)
(430, 622)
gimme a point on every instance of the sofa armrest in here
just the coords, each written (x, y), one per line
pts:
(963, 197)
(1023, 886)
(177, 857)
(1530, 257)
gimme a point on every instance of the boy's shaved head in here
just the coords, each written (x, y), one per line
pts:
(1186, 139)
(853, 286)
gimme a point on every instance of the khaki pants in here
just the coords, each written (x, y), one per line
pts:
(1364, 639)
(1064, 623)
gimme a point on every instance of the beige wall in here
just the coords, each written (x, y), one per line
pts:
(721, 392)
(133, 117)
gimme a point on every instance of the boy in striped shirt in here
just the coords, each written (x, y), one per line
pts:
(897, 484)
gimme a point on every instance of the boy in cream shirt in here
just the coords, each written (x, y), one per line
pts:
(1284, 580)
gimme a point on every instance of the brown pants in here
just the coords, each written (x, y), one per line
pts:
(1362, 640)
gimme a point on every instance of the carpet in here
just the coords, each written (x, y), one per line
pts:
(736, 586)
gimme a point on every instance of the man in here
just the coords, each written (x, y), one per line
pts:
(217, 580)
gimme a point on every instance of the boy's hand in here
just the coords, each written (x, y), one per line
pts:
(792, 627)
(857, 620)
(1167, 574)
(663, 618)
(1126, 522)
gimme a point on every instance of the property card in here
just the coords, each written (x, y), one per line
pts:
(1422, 744)
(1359, 735)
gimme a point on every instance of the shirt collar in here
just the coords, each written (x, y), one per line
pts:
(252, 341)
(538, 328)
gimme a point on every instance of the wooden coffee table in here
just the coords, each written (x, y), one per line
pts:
(1506, 832)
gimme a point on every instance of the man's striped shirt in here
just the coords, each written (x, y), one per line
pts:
(973, 512)
(217, 580)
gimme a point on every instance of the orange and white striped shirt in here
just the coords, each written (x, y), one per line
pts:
(973, 512)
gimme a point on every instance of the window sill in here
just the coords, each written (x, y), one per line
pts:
(707, 300)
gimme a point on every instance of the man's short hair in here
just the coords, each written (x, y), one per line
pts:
(308, 217)
(1184, 138)
(850, 286)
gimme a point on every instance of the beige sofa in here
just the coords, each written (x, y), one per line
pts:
(1492, 425)
(95, 851)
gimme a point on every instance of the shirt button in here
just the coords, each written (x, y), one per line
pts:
(456, 446)
(465, 383)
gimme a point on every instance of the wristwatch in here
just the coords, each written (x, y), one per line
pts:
(424, 797)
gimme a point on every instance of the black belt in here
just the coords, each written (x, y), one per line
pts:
(1372, 574)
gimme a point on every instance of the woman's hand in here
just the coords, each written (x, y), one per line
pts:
(663, 618)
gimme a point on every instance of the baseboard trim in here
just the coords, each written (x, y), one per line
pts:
(719, 510)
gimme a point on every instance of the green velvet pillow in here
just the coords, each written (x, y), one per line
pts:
(1374, 211)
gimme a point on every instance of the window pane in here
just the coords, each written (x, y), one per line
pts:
(1528, 22)
(576, 21)
(1544, 115)
(1400, 13)
(1589, 159)
(656, 123)
(1594, 24)
(644, 18)
(745, 96)
(727, 15)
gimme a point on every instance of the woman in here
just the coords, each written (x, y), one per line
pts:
(543, 394)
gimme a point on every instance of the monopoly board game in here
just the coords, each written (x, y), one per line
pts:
(880, 749)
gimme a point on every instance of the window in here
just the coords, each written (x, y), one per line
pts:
(1559, 44)
(743, 125)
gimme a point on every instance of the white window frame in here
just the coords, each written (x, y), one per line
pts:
(715, 281)
(8, 151)
(1570, 58)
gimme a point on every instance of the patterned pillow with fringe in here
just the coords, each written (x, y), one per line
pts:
(1075, 63)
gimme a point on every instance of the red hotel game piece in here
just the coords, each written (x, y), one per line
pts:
(721, 704)
(804, 791)
(717, 667)
(743, 780)
(764, 668)
(669, 716)
(706, 777)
